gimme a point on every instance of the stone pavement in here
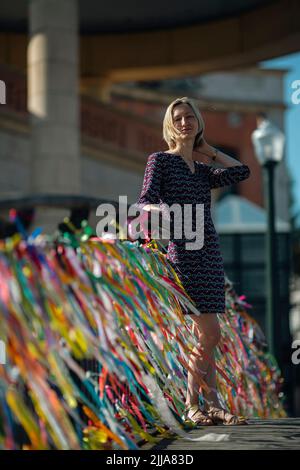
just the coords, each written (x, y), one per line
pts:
(260, 434)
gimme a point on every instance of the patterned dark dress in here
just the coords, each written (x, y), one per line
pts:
(168, 180)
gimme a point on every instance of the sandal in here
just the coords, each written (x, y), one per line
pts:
(221, 416)
(194, 414)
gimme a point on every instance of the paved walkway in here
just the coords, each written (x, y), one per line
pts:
(258, 435)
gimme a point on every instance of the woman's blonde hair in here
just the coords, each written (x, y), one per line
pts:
(170, 133)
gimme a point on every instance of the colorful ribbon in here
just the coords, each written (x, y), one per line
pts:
(98, 347)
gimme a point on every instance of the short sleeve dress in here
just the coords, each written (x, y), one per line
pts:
(169, 180)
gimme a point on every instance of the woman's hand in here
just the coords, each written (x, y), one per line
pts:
(160, 223)
(203, 152)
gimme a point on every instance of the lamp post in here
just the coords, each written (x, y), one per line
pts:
(268, 142)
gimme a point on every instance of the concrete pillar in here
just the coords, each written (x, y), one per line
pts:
(53, 101)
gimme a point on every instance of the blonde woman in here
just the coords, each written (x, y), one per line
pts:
(179, 176)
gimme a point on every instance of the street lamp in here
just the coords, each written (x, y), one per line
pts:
(268, 142)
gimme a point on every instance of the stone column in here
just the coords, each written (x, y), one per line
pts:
(53, 101)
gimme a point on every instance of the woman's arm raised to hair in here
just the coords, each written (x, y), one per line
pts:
(209, 151)
(226, 160)
(232, 173)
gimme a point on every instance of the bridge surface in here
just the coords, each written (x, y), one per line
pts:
(260, 434)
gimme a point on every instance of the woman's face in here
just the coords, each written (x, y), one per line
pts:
(185, 121)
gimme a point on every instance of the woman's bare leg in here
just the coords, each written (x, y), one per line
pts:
(211, 398)
(212, 405)
(207, 330)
